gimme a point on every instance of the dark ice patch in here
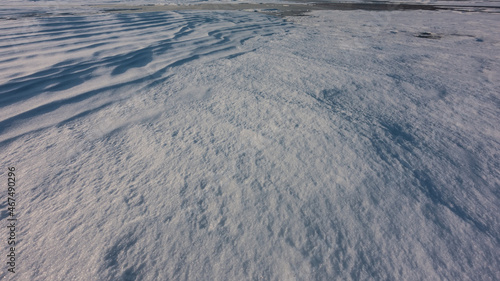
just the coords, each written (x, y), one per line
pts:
(428, 35)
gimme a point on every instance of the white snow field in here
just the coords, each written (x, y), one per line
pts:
(232, 145)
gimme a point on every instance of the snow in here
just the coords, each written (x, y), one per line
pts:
(233, 145)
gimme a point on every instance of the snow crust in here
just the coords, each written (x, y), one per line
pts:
(206, 145)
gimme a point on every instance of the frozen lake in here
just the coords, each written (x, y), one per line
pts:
(167, 142)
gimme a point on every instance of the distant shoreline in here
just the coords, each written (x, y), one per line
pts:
(300, 8)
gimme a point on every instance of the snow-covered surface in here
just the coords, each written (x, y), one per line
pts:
(205, 145)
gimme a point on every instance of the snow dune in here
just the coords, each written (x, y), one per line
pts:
(70, 60)
(210, 145)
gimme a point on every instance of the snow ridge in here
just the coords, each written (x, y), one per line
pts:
(125, 49)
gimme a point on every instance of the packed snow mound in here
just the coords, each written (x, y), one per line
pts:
(238, 146)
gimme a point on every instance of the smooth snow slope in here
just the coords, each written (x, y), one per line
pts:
(238, 146)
